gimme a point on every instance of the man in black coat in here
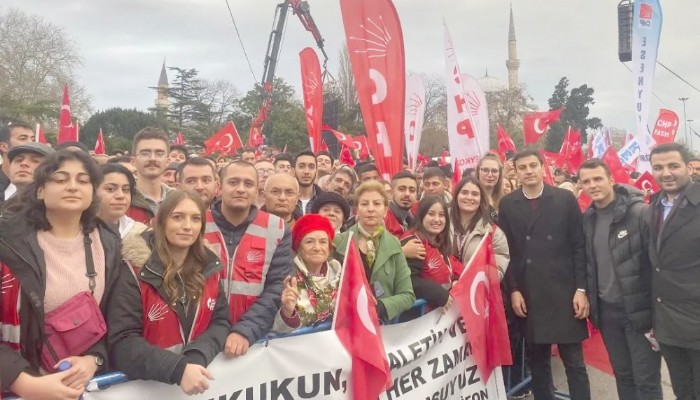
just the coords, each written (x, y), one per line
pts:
(546, 277)
(675, 259)
(619, 280)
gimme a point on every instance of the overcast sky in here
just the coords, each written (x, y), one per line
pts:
(123, 43)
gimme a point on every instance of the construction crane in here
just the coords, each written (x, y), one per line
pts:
(299, 8)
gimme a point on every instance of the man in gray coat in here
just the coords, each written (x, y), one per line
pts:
(619, 280)
(546, 277)
(675, 261)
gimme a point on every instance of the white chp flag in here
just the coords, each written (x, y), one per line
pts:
(476, 99)
(463, 141)
(646, 31)
(413, 118)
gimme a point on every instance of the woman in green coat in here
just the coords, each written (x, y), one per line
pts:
(384, 262)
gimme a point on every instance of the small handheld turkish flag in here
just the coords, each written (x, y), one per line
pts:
(179, 139)
(536, 124)
(225, 141)
(505, 143)
(356, 323)
(100, 147)
(67, 132)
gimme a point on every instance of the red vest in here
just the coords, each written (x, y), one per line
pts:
(435, 267)
(392, 224)
(138, 214)
(9, 308)
(161, 325)
(244, 274)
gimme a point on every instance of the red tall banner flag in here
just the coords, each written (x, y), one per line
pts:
(67, 132)
(666, 127)
(226, 141)
(179, 139)
(619, 172)
(100, 147)
(356, 323)
(312, 85)
(571, 153)
(375, 45)
(536, 124)
(505, 143)
(477, 293)
(39, 135)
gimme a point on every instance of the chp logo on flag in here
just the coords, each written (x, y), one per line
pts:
(646, 11)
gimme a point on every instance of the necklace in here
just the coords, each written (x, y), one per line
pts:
(533, 197)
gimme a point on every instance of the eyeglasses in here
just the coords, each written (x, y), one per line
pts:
(486, 171)
(266, 171)
(150, 153)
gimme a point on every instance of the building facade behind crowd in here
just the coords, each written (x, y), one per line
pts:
(259, 243)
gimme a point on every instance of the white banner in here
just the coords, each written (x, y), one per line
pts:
(646, 31)
(465, 149)
(429, 360)
(476, 99)
(646, 143)
(415, 114)
(629, 153)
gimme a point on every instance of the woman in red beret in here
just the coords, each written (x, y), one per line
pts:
(309, 297)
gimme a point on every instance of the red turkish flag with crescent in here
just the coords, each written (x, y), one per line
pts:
(67, 132)
(619, 172)
(226, 141)
(343, 138)
(477, 293)
(100, 147)
(647, 184)
(356, 323)
(571, 152)
(536, 124)
(312, 87)
(666, 127)
(505, 143)
(375, 45)
(362, 147)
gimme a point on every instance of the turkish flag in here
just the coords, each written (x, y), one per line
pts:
(179, 139)
(536, 124)
(356, 323)
(647, 184)
(549, 161)
(477, 293)
(255, 137)
(375, 45)
(226, 141)
(100, 147)
(571, 153)
(423, 160)
(505, 143)
(67, 132)
(312, 87)
(39, 136)
(343, 138)
(346, 157)
(362, 147)
(619, 173)
(584, 201)
(442, 161)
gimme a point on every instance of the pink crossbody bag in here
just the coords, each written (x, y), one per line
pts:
(76, 325)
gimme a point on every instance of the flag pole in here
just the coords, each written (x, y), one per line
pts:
(342, 277)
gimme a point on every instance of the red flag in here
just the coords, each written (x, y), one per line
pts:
(548, 162)
(360, 144)
(343, 138)
(442, 161)
(646, 182)
(536, 124)
(39, 136)
(619, 173)
(312, 86)
(100, 147)
(67, 132)
(505, 143)
(481, 307)
(356, 323)
(226, 141)
(571, 153)
(584, 201)
(423, 160)
(666, 127)
(375, 45)
(179, 139)
(255, 137)
(346, 157)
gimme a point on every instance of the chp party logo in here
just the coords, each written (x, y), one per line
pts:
(646, 11)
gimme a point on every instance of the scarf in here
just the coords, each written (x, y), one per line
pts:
(404, 216)
(372, 243)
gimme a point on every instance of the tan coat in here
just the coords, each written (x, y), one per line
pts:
(500, 245)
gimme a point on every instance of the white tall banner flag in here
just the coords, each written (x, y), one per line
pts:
(646, 143)
(476, 99)
(414, 117)
(428, 359)
(465, 149)
(646, 31)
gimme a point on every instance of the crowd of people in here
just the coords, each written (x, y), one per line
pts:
(155, 261)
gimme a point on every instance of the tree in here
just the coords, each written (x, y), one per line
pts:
(507, 108)
(286, 125)
(434, 136)
(118, 126)
(37, 59)
(576, 104)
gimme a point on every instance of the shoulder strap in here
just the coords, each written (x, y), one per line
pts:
(89, 264)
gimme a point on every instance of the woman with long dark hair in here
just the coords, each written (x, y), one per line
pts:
(432, 277)
(170, 318)
(60, 262)
(472, 220)
(115, 199)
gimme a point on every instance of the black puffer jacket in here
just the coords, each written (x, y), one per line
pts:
(20, 251)
(628, 240)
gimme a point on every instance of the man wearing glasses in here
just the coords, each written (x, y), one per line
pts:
(281, 195)
(150, 156)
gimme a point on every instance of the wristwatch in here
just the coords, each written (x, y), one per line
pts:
(99, 361)
(581, 290)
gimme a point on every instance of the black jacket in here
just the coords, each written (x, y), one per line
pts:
(258, 320)
(628, 241)
(20, 250)
(307, 210)
(674, 250)
(130, 352)
(4, 183)
(548, 262)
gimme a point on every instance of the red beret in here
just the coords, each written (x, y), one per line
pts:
(309, 223)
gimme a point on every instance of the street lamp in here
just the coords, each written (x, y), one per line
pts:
(685, 123)
(690, 121)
